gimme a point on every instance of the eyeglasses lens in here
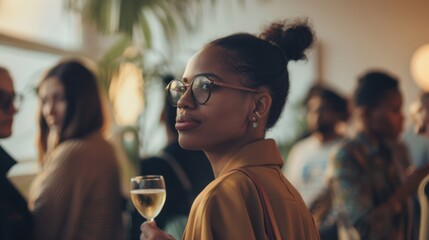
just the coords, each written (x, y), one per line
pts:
(176, 90)
(201, 89)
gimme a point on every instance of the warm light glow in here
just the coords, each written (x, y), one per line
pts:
(420, 67)
(126, 93)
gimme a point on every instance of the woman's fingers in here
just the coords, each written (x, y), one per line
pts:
(151, 232)
(147, 230)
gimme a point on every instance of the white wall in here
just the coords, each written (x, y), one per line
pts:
(43, 21)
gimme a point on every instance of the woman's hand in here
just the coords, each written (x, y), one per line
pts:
(151, 232)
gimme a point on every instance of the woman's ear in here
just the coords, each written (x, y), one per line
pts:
(263, 102)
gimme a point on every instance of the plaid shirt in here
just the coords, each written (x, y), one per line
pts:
(364, 175)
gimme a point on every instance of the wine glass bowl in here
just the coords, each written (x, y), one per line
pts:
(148, 195)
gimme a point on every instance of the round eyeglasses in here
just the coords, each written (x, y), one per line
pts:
(201, 89)
(7, 100)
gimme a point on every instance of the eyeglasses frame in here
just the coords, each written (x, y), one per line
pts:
(212, 82)
(14, 98)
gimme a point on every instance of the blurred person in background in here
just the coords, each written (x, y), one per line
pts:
(15, 218)
(308, 159)
(186, 174)
(76, 195)
(421, 114)
(417, 140)
(371, 179)
(416, 136)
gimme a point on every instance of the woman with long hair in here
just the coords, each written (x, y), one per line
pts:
(76, 195)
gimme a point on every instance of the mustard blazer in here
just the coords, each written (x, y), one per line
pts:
(230, 208)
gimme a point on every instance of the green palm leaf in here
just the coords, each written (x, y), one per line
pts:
(123, 17)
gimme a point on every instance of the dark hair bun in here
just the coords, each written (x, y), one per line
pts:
(292, 38)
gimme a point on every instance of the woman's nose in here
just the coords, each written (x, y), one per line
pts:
(50, 108)
(187, 100)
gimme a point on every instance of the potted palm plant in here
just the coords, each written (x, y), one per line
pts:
(131, 19)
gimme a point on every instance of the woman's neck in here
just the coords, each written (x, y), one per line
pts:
(220, 155)
(52, 140)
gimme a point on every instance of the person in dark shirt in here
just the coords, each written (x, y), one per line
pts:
(372, 177)
(186, 174)
(15, 218)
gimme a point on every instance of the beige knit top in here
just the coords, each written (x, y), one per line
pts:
(77, 193)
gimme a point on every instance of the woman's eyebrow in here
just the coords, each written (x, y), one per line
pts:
(211, 76)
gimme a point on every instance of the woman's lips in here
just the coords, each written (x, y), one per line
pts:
(185, 123)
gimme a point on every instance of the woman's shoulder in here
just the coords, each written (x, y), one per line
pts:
(93, 146)
(87, 142)
(231, 192)
(234, 184)
(235, 178)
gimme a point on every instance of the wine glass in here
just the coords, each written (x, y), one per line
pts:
(148, 195)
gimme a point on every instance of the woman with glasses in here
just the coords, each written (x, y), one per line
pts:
(15, 218)
(231, 92)
(76, 195)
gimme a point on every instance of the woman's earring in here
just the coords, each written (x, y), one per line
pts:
(254, 120)
(255, 124)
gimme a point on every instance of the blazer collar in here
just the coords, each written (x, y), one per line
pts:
(258, 153)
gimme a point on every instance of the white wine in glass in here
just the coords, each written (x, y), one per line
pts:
(148, 195)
